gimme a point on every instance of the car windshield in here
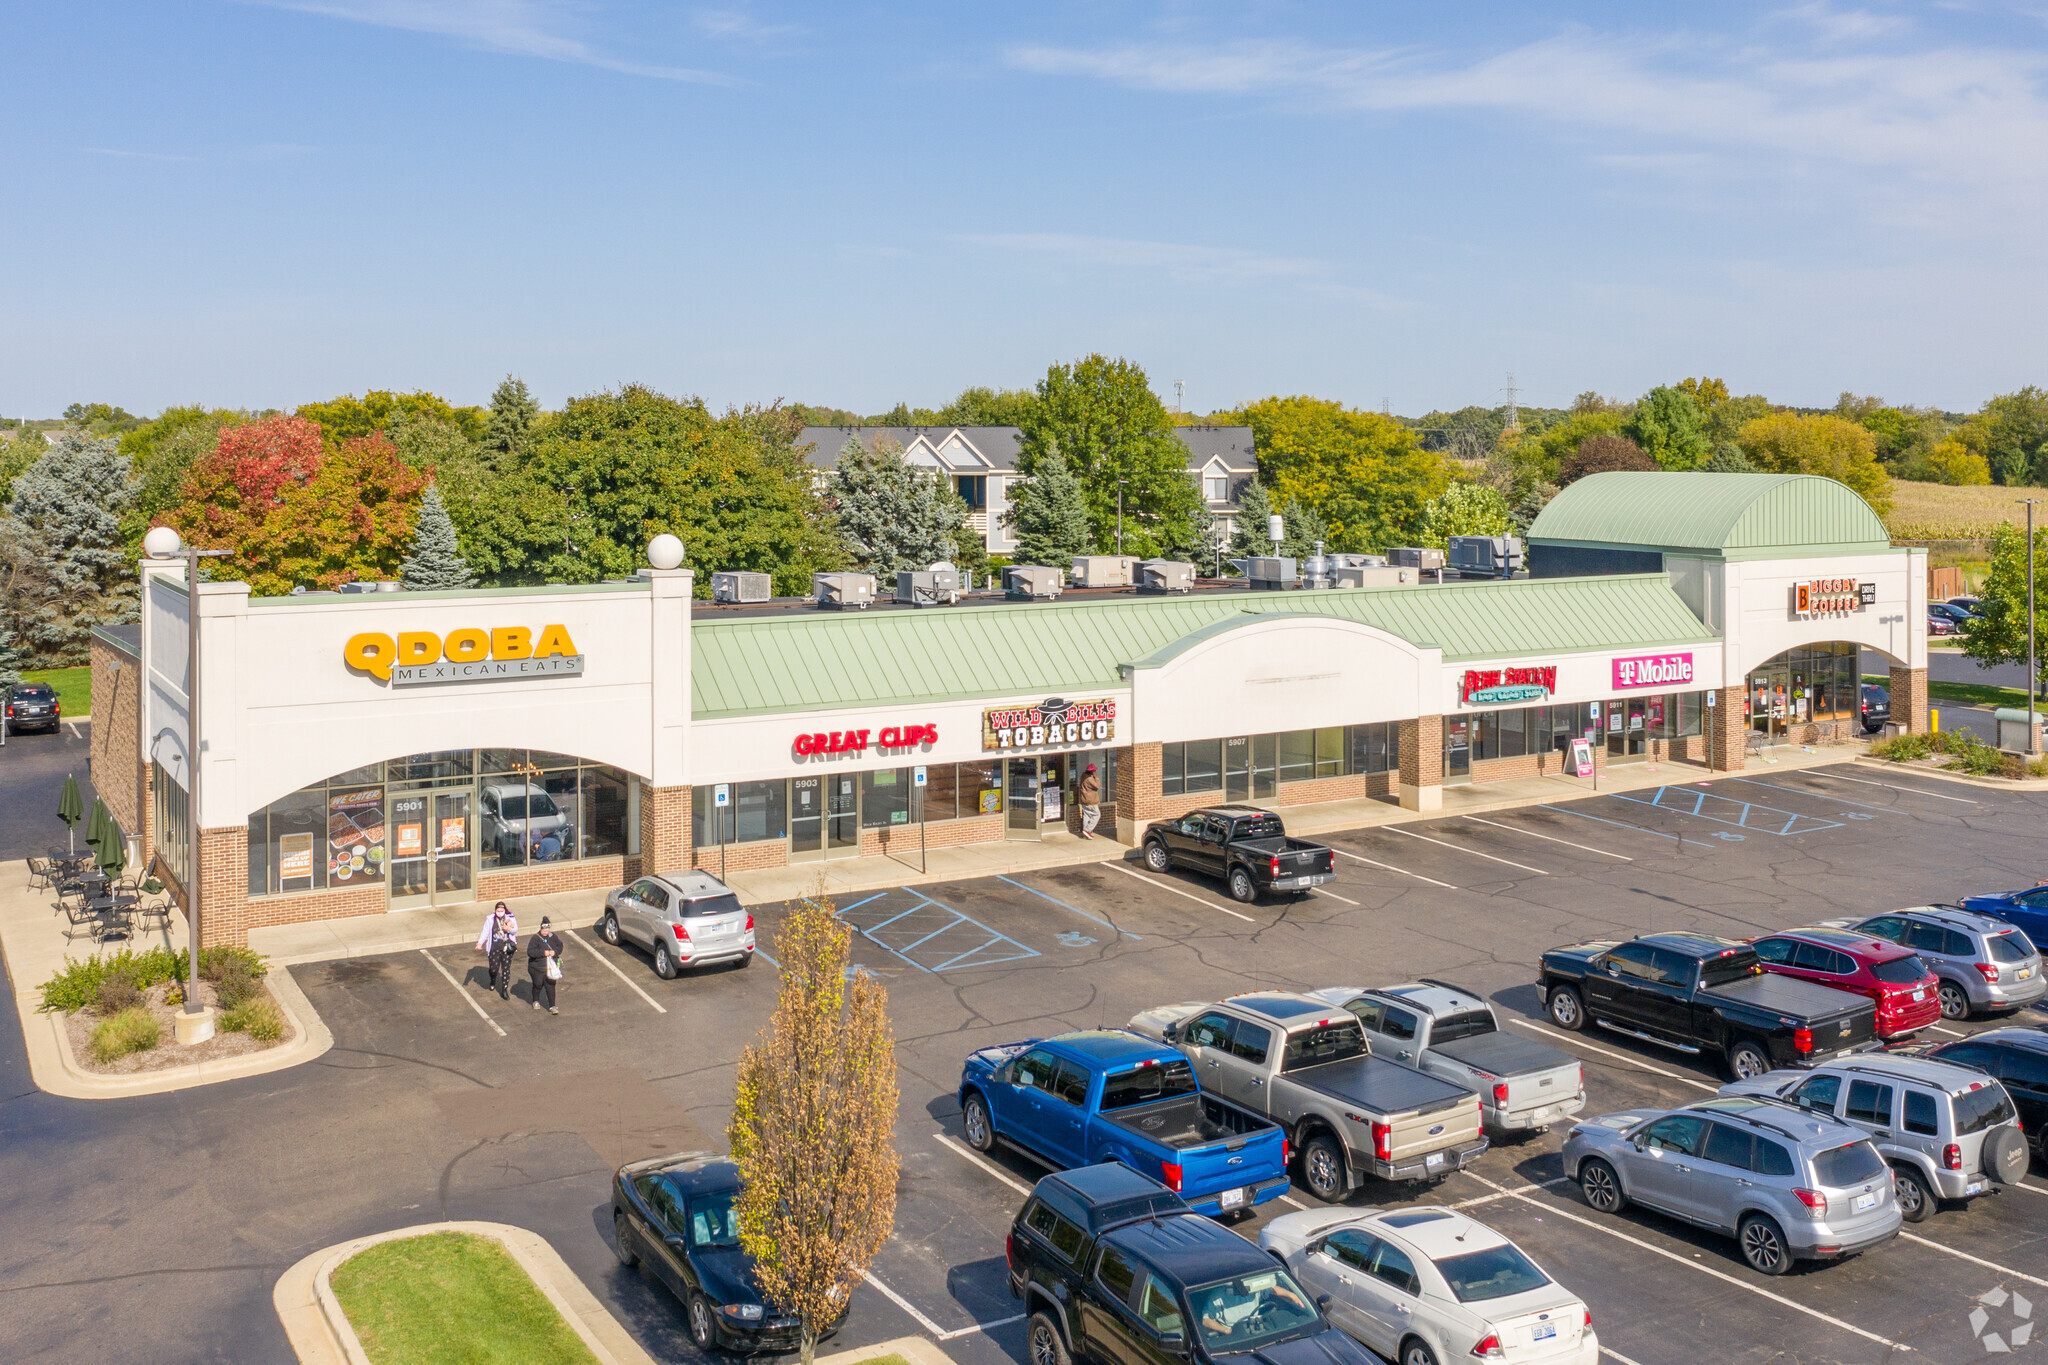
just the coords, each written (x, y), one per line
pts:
(1251, 1311)
(514, 807)
(1849, 1165)
(32, 692)
(1491, 1274)
(2008, 947)
(713, 1221)
(727, 904)
(1900, 971)
(1987, 1106)
(1146, 1084)
(1470, 1024)
(1730, 967)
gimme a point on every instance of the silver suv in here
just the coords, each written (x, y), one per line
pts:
(1983, 963)
(1790, 1186)
(1949, 1131)
(685, 919)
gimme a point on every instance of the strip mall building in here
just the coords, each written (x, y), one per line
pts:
(374, 752)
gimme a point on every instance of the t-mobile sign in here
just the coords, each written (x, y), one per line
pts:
(1653, 670)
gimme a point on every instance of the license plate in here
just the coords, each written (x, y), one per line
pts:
(1232, 1198)
(1865, 1202)
(1543, 1331)
(1974, 1187)
(1918, 996)
(2025, 974)
(1433, 1159)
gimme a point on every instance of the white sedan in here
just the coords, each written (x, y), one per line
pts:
(1429, 1286)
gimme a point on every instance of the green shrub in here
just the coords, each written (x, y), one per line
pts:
(1969, 754)
(78, 986)
(255, 1016)
(234, 986)
(132, 1030)
(116, 993)
(1904, 748)
(222, 958)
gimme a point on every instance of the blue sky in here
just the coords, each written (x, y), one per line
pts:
(264, 203)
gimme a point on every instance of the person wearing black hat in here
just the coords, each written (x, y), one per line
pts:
(544, 965)
(1091, 801)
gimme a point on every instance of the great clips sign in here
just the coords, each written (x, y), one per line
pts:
(859, 741)
(1653, 670)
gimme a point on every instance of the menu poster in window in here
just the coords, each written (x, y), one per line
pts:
(991, 800)
(355, 835)
(454, 833)
(411, 840)
(295, 861)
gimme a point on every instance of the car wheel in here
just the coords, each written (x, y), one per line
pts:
(1415, 1351)
(1157, 858)
(2005, 1155)
(1322, 1169)
(1763, 1245)
(1042, 1339)
(1916, 1201)
(974, 1121)
(622, 1235)
(1242, 889)
(1955, 1001)
(1567, 1011)
(1601, 1187)
(1747, 1060)
(664, 964)
(610, 928)
(703, 1328)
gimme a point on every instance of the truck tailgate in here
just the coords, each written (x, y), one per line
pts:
(1536, 1073)
(1241, 1161)
(1416, 1135)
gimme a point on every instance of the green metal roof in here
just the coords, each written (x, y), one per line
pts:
(1727, 516)
(820, 660)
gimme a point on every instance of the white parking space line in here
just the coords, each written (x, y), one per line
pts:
(1292, 1202)
(980, 1327)
(1722, 1276)
(613, 967)
(1335, 897)
(1199, 900)
(466, 999)
(905, 1304)
(1551, 1183)
(1361, 858)
(1615, 1355)
(1820, 796)
(1949, 1031)
(989, 1166)
(1618, 1056)
(1905, 1236)
(1915, 791)
(2029, 1187)
(74, 729)
(1473, 851)
(1550, 838)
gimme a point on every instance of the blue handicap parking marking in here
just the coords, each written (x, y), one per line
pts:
(1074, 938)
(1726, 810)
(930, 935)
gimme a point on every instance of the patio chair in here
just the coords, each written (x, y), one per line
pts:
(153, 901)
(78, 916)
(39, 874)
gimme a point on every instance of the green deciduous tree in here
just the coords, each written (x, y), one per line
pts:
(1366, 476)
(2011, 433)
(1600, 454)
(101, 419)
(813, 1123)
(66, 509)
(1048, 516)
(348, 416)
(1832, 447)
(1669, 427)
(513, 413)
(1727, 417)
(434, 563)
(18, 454)
(1546, 454)
(2002, 635)
(1103, 417)
(893, 514)
(986, 407)
(1463, 509)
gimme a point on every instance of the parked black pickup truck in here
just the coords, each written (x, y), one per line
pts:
(1113, 1268)
(1703, 994)
(1245, 846)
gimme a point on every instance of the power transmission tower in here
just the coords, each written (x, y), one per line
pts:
(1386, 407)
(1178, 386)
(1514, 410)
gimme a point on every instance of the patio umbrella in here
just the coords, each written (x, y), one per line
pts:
(69, 807)
(113, 846)
(96, 827)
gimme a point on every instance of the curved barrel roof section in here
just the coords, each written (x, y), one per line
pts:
(821, 660)
(1732, 516)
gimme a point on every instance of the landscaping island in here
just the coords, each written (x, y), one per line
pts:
(451, 1298)
(118, 1010)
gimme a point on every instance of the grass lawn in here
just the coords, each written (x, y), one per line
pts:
(74, 686)
(451, 1298)
(1965, 694)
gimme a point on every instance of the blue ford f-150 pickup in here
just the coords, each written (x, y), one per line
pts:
(1108, 1095)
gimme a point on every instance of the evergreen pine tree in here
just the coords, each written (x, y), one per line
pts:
(513, 410)
(11, 657)
(893, 514)
(435, 561)
(1248, 535)
(1729, 459)
(1048, 514)
(67, 510)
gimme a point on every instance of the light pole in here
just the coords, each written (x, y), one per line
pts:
(193, 554)
(1119, 514)
(2033, 688)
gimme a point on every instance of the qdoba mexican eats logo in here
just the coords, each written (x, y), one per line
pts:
(467, 655)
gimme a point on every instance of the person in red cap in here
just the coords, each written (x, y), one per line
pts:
(1091, 801)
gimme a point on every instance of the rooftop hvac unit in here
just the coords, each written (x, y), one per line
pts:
(734, 585)
(1104, 571)
(1033, 581)
(370, 585)
(843, 589)
(1166, 575)
(1485, 556)
(1374, 575)
(936, 586)
(1271, 573)
(1417, 557)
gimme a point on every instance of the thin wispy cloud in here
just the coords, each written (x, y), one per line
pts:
(738, 25)
(1182, 261)
(526, 28)
(128, 154)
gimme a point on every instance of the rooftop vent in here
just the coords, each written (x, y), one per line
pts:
(734, 585)
(1104, 571)
(1166, 575)
(1033, 581)
(843, 589)
(1272, 573)
(936, 586)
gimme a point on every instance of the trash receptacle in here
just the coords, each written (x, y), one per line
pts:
(2019, 730)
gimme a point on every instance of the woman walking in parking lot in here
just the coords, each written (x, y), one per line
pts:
(544, 965)
(499, 938)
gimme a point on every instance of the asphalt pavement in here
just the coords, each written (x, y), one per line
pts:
(32, 772)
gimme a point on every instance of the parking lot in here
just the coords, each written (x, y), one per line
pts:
(441, 1100)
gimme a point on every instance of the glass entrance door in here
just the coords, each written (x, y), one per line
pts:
(432, 838)
(1457, 748)
(411, 883)
(824, 817)
(449, 849)
(1237, 769)
(1021, 783)
(806, 818)
(1628, 731)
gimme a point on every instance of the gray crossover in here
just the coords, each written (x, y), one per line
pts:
(684, 919)
(1982, 963)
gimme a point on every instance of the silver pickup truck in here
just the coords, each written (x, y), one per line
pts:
(1306, 1064)
(1450, 1032)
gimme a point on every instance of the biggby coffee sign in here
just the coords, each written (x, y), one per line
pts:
(466, 655)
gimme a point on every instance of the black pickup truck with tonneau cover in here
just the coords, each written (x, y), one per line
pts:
(1702, 994)
(1247, 847)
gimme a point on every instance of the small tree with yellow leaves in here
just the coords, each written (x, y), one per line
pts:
(813, 1125)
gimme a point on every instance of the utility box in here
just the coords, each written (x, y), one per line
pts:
(2014, 730)
(1036, 582)
(1374, 576)
(733, 585)
(1166, 575)
(1485, 556)
(1272, 573)
(843, 589)
(1417, 557)
(1104, 571)
(933, 587)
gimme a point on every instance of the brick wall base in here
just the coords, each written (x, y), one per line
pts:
(543, 878)
(1909, 699)
(664, 828)
(116, 746)
(1422, 762)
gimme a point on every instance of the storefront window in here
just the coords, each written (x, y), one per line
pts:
(431, 769)
(1194, 766)
(1375, 748)
(885, 798)
(172, 815)
(1298, 756)
(760, 810)
(980, 787)
(605, 804)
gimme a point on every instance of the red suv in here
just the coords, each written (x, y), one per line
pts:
(1906, 992)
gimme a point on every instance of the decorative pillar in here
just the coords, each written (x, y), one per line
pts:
(1137, 796)
(664, 829)
(1909, 699)
(1727, 732)
(1422, 763)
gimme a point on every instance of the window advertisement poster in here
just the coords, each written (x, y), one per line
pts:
(355, 835)
(991, 800)
(454, 833)
(295, 861)
(409, 840)
(1052, 724)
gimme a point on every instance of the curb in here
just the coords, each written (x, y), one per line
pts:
(2002, 784)
(57, 1071)
(916, 1350)
(320, 1333)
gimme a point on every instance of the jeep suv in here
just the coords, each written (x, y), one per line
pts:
(1981, 963)
(1949, 1131)
(1790, 1186)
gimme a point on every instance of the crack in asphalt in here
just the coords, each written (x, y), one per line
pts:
(267, 1267)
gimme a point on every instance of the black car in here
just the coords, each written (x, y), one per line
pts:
(1876, 708)
(1954, 615)
(2017, 1055)
(676, 1213)
(33, 706)
(1247, 847)
(1113, 1268)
